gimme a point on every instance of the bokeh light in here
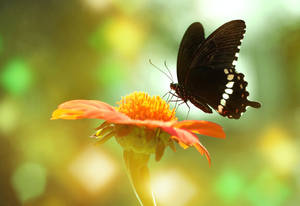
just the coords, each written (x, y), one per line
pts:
(120, 35)
(29, 181)
(93, 169)
(268, 190)
(230, 185)
(1, 44)
(292, 7)
(97, 5)
(16, 76)
(172, 185)
(279, 149)
(125, 36)
(9, 115)
(231, 9)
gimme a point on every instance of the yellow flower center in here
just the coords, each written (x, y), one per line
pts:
(141, 106)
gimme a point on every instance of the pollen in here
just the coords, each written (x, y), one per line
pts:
(141, 106)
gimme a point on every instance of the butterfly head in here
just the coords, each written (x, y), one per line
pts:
(179, 90)
(173, 86)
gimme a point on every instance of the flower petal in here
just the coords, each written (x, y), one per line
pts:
(87, 103)
(201, 127)
(202, 151)
(151, 123)
(182, 135)
(187, 138)
(66, 114)
(92, 109)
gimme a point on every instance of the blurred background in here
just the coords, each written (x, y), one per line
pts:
(53, 51)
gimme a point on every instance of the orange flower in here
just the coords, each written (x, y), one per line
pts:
(141, 123)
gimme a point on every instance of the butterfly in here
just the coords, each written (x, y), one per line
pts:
(206, 70)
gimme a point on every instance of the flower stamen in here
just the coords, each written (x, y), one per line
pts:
(141, 106)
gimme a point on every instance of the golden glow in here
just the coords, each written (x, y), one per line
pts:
(278, 148)
(173, 188)
(230, 9)
(93, 169)
(98, 5)
(9, 115)
(125, 36)
(140, 105)
(52, 200)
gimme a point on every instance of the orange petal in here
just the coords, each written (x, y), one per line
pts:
(184, 146)
(86, 103)
(152, 123)
(202, 151)
(201, 127)
(182, 135)
(66, 114)
(92, 109)
(187, 138)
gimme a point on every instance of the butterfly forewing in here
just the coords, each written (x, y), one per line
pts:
(191, 41)
(220, 49)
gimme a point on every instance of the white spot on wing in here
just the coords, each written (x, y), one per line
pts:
(229, 91)
(230, 77)
(226, 71)
(225, 96)
(223, 102)
(229, 84)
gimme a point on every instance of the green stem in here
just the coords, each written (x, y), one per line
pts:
(138, 172)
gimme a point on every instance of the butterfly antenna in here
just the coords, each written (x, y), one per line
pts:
(168, 70)
(160, 70)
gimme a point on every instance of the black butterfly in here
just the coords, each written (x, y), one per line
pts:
(206, 70)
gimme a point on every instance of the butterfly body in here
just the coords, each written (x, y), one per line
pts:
(206, 71)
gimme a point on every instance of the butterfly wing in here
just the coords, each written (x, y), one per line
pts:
(223, 90)
(220, 49)
(212, 79)
(191, 41)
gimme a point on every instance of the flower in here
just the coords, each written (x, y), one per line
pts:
(142, 125)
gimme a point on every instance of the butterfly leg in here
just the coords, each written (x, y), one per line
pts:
(176, 107)
(187, 115)
(176, 102)
(181, 102)
(172, 95)
(168, 92)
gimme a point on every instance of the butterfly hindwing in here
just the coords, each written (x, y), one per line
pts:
(223, 90)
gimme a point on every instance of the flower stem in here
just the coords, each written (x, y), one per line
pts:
(138, 172)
